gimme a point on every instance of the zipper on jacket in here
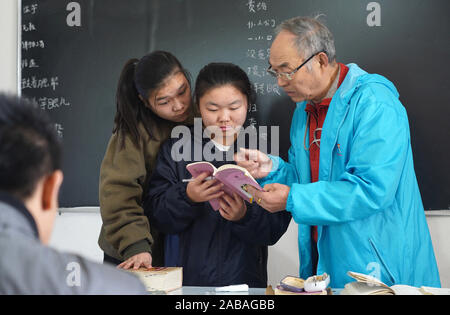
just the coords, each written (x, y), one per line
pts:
(378, 256)
(220, 261)
(319, 232)
(334, 143)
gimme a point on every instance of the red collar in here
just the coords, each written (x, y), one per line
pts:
(326, 101)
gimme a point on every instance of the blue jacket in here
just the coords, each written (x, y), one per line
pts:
(211, 250)
(367, 203)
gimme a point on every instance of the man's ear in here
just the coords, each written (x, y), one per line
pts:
(323, 59)
(50, 192)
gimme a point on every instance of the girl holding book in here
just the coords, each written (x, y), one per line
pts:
(223, 247)
(153, 95)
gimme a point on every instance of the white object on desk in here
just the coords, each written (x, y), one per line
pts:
(317, 283)
(191, 290)
(233, 288)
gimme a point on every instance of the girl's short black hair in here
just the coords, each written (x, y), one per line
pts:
(219, 74)
(29, 146)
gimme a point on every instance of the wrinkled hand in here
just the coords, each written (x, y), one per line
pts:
(232, 208)
(201, 190)
(255, 162)
(137, 261)
(273, 198)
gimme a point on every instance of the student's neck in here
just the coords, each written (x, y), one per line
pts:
(225, 141)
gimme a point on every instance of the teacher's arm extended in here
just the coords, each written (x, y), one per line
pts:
(272, 173)
(368, 183)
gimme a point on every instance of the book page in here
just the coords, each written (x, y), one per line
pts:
(405, 290)
(435, 291)
(366, 279)
(361, 288)
(227, 166)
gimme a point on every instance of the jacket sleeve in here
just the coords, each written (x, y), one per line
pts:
(40, 269)
(167, 204)
(261, 227)
(122, 177)
(368, 185)
(284, 172)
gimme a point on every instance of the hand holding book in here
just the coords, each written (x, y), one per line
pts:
(232, 178)
(201, 190)
(232, 208)
(273, 198)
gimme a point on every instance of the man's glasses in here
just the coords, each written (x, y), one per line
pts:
(289, 75)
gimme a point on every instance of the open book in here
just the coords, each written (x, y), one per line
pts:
(368, 285)
(234, 178)
(160, 278)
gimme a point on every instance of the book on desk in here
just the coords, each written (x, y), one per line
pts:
(368, 285)
(160, 279)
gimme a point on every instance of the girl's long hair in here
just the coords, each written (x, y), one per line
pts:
(140, 78)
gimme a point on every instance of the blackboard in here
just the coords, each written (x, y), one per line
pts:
(72, 53)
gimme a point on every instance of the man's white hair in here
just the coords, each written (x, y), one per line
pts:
(311, 36)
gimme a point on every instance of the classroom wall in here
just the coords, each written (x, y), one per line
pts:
(77, 229)
(8, 44)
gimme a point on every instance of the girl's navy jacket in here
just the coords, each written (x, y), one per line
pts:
(212, 250)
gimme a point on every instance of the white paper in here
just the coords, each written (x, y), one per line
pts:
(233, 288)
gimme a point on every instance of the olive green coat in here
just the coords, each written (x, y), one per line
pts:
(124, 177)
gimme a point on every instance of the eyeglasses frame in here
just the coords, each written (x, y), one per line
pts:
(288, 75)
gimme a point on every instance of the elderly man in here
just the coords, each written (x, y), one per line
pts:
(350, 182)
(30, 178)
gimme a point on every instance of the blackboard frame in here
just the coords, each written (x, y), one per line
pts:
(19, 47)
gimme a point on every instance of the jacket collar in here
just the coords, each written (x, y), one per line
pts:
(353, 81)
(357, 77)
(20, 209)
(340, 103)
